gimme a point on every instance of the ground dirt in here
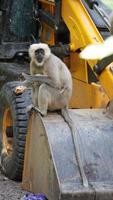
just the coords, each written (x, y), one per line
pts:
(10, 190)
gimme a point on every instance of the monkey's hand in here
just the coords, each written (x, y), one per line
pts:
(20, 89)
(41, 79)
(36, 78)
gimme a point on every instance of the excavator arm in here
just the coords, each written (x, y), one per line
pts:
(83, 32)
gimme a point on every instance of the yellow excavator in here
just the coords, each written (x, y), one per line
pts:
(49, 165)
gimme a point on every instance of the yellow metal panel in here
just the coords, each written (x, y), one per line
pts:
(77, 19)
(83, 32)
(98, 96)
(78, 67)
(88, 95)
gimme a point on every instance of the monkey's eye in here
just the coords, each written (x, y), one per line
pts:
(39, 51)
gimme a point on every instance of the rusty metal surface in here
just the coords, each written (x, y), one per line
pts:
(51, 163)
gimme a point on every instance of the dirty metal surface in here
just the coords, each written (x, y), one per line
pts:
(95, 134)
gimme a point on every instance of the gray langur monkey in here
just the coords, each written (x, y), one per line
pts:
(54, 90)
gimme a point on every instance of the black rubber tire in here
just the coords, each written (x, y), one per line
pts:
(12, 165)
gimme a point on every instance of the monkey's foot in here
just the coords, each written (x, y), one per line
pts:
(43, 113)
(19, 89)
(32, 107)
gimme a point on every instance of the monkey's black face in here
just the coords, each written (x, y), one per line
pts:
(39, 55)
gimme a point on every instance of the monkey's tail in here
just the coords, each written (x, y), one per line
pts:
(70, 123)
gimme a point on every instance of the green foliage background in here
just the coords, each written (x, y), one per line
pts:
(109, 3)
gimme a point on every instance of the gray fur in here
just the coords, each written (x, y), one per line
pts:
(52, 90)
